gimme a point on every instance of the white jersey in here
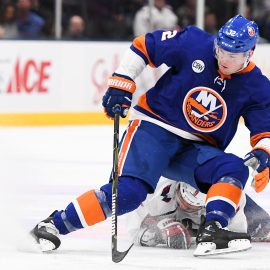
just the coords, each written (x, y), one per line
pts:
(163, 204)
(161, 19)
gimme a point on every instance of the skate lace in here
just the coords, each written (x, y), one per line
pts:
(49, 227)
(220, 227)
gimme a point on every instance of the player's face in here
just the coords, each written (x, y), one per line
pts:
(228, 62)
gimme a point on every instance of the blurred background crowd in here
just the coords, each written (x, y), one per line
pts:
(119, 19)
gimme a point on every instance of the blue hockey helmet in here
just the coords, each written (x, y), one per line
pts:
(238, 35)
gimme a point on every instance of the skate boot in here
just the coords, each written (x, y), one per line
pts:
(213, 239)
(46, 234)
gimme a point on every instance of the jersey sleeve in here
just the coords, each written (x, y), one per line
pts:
(257, 116)
(162, 47)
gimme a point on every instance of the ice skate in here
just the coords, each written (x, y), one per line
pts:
(212, 239)
(46, 234)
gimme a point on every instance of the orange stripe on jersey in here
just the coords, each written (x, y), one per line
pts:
(90, 208)
(139, 43)
(254, 139)
(126, 143)
(142, 102)
(226, 191)
(249, 67)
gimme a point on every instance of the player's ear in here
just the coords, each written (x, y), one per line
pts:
(251, 53)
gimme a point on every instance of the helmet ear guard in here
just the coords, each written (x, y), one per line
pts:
(238, 35)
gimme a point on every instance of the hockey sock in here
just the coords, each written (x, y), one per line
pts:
(95, 205)
(88, 209)
(222, 200)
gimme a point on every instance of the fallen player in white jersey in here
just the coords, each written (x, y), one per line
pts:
(172, 215)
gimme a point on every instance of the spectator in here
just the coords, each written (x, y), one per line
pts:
(76, 28)
(187, 13)
(46, 10)
(261, 13)
(8, 24)
(210, 23)
(29, 23)
(161, 17)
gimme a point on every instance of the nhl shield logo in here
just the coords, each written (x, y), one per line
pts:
(204, 109)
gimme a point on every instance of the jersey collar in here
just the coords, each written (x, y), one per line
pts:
(248, 68)
(224, 76)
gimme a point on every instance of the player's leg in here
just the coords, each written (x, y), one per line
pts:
(88, 209)
(258, 221)
(145, 151)
(226, 177)
(222, 176)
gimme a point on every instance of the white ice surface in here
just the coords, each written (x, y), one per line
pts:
(43, 169)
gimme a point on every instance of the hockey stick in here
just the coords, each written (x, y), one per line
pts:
(117, 256)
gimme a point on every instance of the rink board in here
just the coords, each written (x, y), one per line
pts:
(45, 83)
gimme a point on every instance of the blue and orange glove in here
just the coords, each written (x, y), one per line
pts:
(120, 90)
(259, 160)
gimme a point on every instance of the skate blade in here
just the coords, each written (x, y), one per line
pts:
(46, 245)
(209, 248)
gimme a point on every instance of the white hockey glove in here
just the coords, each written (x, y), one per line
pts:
(167, 232)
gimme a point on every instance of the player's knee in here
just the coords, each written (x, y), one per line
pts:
(225, 165)
(131, 193)
(235, 168)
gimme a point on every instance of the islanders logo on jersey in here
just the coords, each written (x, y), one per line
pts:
(204, 109)
(251, 31)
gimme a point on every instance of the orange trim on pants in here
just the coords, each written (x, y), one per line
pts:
(126, 143)
(225, 190)
(90, 208)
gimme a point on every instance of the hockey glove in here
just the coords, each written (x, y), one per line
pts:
(119, 93)
(166, 232)
(259, 160)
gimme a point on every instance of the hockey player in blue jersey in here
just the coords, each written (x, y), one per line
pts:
(180, 128)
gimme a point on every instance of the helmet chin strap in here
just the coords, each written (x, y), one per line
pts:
(246, 62)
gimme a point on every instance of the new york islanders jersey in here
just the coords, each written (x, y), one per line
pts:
(194, 96)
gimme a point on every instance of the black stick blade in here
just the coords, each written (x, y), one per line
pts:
(118, 256)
